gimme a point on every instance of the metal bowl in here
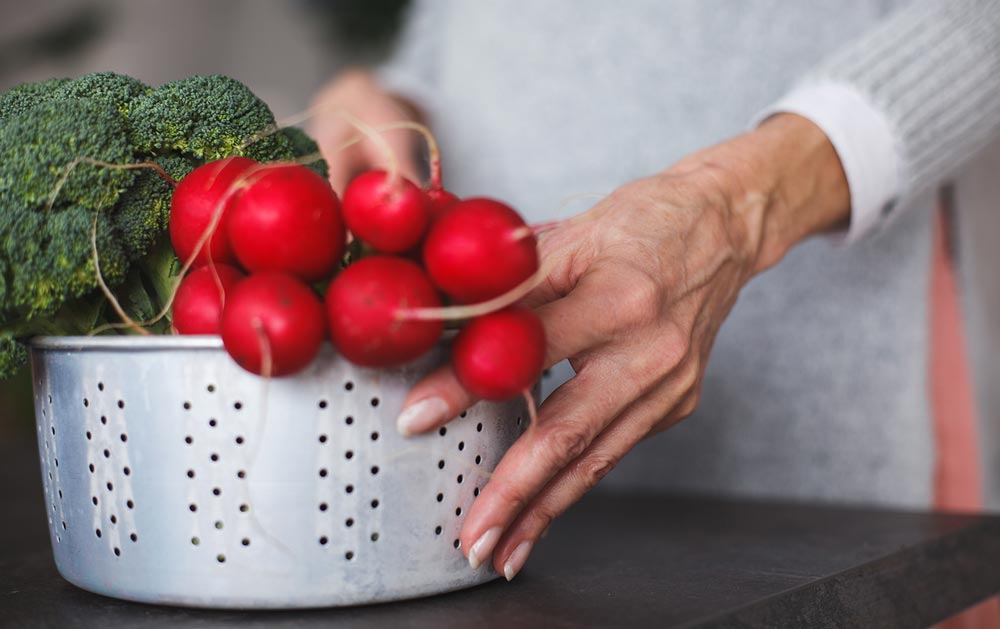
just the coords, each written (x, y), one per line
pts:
(173, 476)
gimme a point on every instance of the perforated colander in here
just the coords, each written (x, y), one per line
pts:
(173, 476)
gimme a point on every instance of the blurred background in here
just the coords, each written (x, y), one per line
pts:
(282, 49)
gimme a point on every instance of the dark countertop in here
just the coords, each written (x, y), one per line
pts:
(623, 560)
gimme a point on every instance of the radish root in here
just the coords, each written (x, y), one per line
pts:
(452, 313)
(96, 162)
(127, 320)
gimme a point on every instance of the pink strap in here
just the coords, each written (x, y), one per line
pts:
(957, 471)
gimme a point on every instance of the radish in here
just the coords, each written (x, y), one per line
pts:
(439, 201)
(198, 303)
(387, 212)
(197, 199)
(500, 355)
(272, 324)
(480, 249)
(364, 305)
(287, 219)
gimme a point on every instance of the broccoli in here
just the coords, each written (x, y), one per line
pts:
(48, 283)
(17, 100)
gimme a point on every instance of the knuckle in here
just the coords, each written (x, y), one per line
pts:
(542, 515)
(511, 496)
(687, 406)
(593, 468)
(643, 302)
(565, 442)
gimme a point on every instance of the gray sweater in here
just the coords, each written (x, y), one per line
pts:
(817, 384)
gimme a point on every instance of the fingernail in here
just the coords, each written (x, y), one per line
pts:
(516, 560)
(422, 416)
(483, 547)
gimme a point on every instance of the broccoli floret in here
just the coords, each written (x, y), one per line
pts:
(208, 117)
(302, 145)
(18, 100)
(48, 283)
(38, 145)
(119, 89)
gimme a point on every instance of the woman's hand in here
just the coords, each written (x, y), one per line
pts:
(638, 288)
(358, 93)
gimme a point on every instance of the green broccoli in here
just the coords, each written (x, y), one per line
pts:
(303, 145)
(48, 283)
(208, 117)
(17, 100)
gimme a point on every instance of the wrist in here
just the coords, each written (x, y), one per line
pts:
(783, 182)
(806, 188)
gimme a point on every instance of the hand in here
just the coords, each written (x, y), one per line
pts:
(358, 93)
(638, 288)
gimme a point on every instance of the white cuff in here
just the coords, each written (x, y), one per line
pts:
(864, 141)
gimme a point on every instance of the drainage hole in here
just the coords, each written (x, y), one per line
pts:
(349, 522)
(348, 386)
(190, 473)
(374, 537)
(374, 470)
(349, 555)
(193, 507)
(127, 470)
(195, 541)
(374, 504)
(114, 519)
(216, 491)
(133, 537)
(374, 402)
(349, 489)
(220, 558)
(442, 431)
(322, 404)
(212, 423)
(479, 427)
(461, 446)
(244, 508)
(323, 473)
(348, 420)
(349, 455)
(457, 543)
(323, 540)
(459, 479)
(322, 438)
(239, 440)
(440, 497)
(121, 403)
(437, 530)
(245, 541)
(323, 506)
(218, 524)
(118, 552)
(97, 532)
(475, 492)
(441, 464)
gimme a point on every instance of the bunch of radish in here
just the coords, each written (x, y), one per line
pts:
(265, 245)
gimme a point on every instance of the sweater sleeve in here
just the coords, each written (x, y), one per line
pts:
(412, 69)
(924, 89)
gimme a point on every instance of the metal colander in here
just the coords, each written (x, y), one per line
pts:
(173, 476)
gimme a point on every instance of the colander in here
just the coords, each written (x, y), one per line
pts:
(173, 476)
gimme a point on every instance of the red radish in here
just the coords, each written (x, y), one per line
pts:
(197, 307)
(500, 355)
(363, 306)
(196, 200)
(273, 324)
(480, 249)
(288, 220)
(439, 201)
(389, 213)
